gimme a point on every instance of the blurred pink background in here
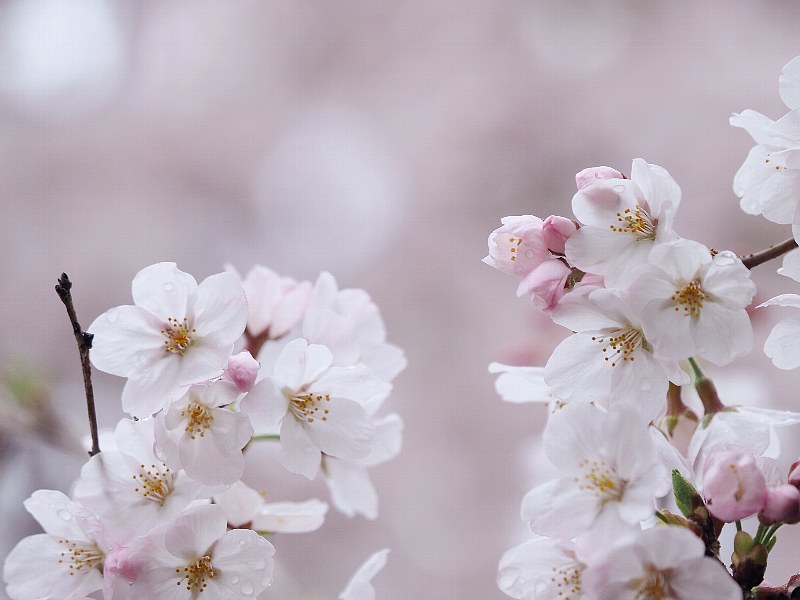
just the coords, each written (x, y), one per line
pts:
(382, 141)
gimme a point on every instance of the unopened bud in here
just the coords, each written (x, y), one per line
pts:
(241, 370)
(592, 174)
(782, 506)
(556, 231)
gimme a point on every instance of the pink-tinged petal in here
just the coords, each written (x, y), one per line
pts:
(520, 384)
(782, 505)
(779, 196)
(668, 330)
(518, 246)
(262, 287)
(231, 430)
(163, 290)
(789, 84)
(216, 458)
(593, 248)
(693, 581)
(35, 569)
(144, 396)
(722, 335)
(244, 561)
(220, 309)
(559, 509)
(266, 406)
(388, 440)
(290, 309)
(352, 492)
(556, 231)
(578, 312)
(58, 515)
(355, 383)
(215, 394)
(681, 259)
(573, 434)
(324, 293)
(301, 363)
(346, 431)
(600, 203)
(657, 185)
(127, 340)
(546, 284)
(783, 344)
(193, 532)
(791, 265)
(782, 300)
(733, 485)
(290, 517)
(202, 362)
(240, 503)
(298, 453)
(592, 174)
(756, 124)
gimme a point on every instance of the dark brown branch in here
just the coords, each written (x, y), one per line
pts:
(84, 341)
(756, 258)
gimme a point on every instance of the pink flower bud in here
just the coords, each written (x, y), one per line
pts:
(241, 370)
(794, 474)
(782, 506)
(734, 486)
(556, 231)
(545, 284)
(517, 247)
(591, 174)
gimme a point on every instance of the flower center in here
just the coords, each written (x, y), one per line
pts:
(654, 587)
(691, 298)
(196, 573)
(620, 345)
(601, 480)
(199, 417)
(567, 581)
(637, 222)
(80, 557)
(154, 483)
(514, 245)
(308, 407)
(178, 334)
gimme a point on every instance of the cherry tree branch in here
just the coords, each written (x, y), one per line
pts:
(84, 341)
(762, 256)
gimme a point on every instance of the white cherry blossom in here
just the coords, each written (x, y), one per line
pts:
(317, 407)
(622, 220)
(202, 437)
(194, 557)
(177, 334)
(65, 560)
(611, 469)
(542, 569)
(694, 303)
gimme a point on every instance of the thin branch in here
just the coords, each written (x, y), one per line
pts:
(84, 341)
(756, 258)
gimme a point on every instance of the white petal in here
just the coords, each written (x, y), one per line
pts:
(722, 335)
(346, 431)
(520, 384)
(578, 368)
(266, 406)
(58, 515)
(301, 363)
(789, 84)
(290, 517)
(779, 196)
(388, 440)
(220, 309)
(559, 509)
(783, 344)
(782, 300)
(244, 560)
(240, 503)
(351, 490)
(355, 383)
(298, 453)
(657, 185)
(791, 265)
(194, 531)
(164, 290)
(359, 587)
(127, 340)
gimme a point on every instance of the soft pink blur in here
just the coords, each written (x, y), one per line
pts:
(382, 141)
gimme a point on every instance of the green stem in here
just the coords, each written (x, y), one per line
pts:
(265, 437)
(698, 373)
(770, 534)
(661, 517)
(759, 539)
(738, 525)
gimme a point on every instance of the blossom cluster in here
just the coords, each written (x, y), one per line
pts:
(211, 368)
(646, 486)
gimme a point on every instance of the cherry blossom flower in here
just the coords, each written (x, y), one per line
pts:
(546, 284)
(242, 370)
(348, 481)
(556, 231)
(662, 562)
(518, 246)
(130, 489)
(694, 304)
(360, 585)
(317, 407)
(349, 323)
(610, 355)
(275, 304)
(542, 569)
(204, 439)
(177, 334)
(65, 560)
(622, 220)
(733, 485)
(194, 556)
(611, 472)
(782, 505)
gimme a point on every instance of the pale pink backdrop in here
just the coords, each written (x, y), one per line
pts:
(382, 141)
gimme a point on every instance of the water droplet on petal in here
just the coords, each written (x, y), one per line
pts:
(619, 188)
(112, 316)
(64, 515)
(724, 259)
(247, 587)
(235, 579)
(168, 286)
(259, 565)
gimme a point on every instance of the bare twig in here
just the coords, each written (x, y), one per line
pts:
(756, 258)
(84, 341)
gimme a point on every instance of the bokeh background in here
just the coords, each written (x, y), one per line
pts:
(382, 141)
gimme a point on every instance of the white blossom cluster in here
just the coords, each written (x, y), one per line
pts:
(645, 486)
(162, 511)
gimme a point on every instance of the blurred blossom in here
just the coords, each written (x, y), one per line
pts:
(61, 57)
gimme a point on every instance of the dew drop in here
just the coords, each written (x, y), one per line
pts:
(247, 587)
(112, 316)
(235, 579)
(64, 515)
(168, 286)
(619, 188)
(529, 253)
(724, 259)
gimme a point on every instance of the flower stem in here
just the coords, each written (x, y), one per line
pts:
(757, 258)
(261, 438)
(84, 341)
(706, 390)
(738, 525)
